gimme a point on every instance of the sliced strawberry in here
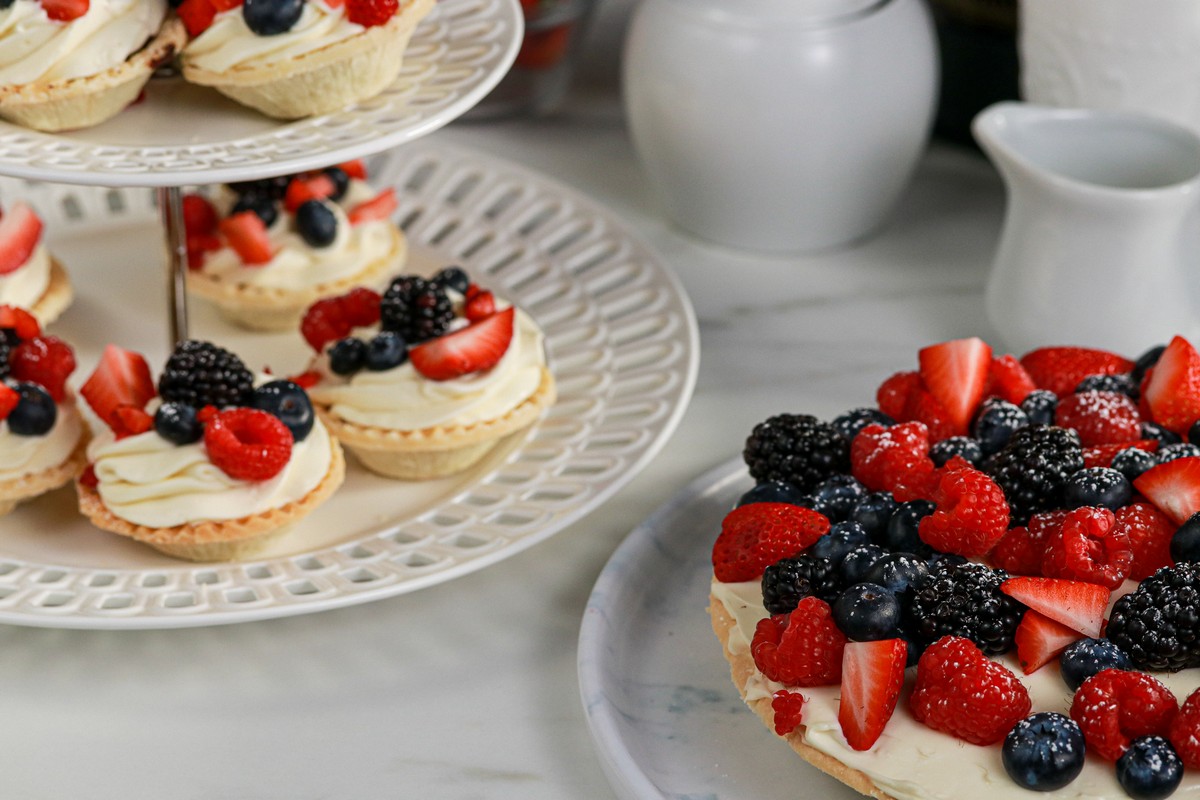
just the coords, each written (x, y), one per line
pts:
(1078, 605)
(471, 349)
(247, 234)
(1102, 455)
(197, 15)
(956, 373)
(130, 421)
(20, 322)
(1174, 487)
(301, 189)
(45, 360)
(65, 10)
(479, 306)
(379, 207)
(872, 676)
(1060, 369)
(199, 216)
(306, 380)
(122, 378)
(1040, 639)
(20, 230)
(922, 406)
(1008, 380)
(8, 400)
(1172, 392)
(354, 169)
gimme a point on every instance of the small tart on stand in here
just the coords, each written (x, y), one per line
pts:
(30, 276)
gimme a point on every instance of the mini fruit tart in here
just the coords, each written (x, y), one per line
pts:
(297, 58)
(30, 277)
(423, 381)
(68, 64)
(41, 434)
(207, 466)
(264, 251)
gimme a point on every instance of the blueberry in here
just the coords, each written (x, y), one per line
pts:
(858, 563)
(177, 423)
(341, 182)
(1171, 451)
(837, 496)
(841, 539)
(1043, 752)
(1039, 406)
(1185, 543)
(854, 420)
(347, 356)
(35, 412)
(1122, 384)
(387, 349)
(897, 571)
(873, 512)
(288, 402)
(1193, 435)
(996, 422)
(1097, 486)
(272, 17)
(1150, 769)
(962, 446)
(262, 205)
(1132, 462)
(316, 223)
(901, 535)
(1151, 430)
(454, 278)
(867, 612)
(1084, 658)
(1144, 362)
(774, 492)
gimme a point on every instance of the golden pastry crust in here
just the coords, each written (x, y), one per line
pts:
(742, 669)
(272, 308)
(83, 102)
(27, 487)
(321, 80)
(218, 540)
(58, 295)
(438, 451)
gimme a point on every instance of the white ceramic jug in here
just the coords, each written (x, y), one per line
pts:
(779, 125)
(1099, 245)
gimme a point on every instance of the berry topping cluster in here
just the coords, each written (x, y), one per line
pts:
(990, 505)
(269, 17)
(33, 373)
(417, 321)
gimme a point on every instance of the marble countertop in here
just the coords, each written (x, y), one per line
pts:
(469, 689)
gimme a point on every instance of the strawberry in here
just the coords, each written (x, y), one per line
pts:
(1090, 548)
(956, 373)
(1100, 417)
(247, 234)
(1172, 391)
(892, 394)
(130, 421)
(1008, 380)
(310, 186)
(1114, 707)
(1040, 639)
(197, 15)
(65, 10)
(872, 676)
(801, 648)
(543, 49)
(1149, 531)
(248, 444)
(355, 169)
(370, 13)
(8, 400)
(306, 380)
(379, 207)
(479, 306)
(45, 360)
(475, 348)
(20, 322)
(199, 216)
(1060, 369)
(1184, 731)
(971, 514)
(122, 378)
(20, 230)
(755, 536)
(1079, 606)
(788, 709)
(1101, 455)
(921, 406)
(1173, 487)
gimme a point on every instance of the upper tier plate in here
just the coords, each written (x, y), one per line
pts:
(183, 134)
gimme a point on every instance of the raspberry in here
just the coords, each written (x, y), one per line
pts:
(961, 692)
(45, 360)
(360, 306)
(923, 407)
(1102, 455)
(1021, 550)
(370, 13)
(248, 444)
(892, 395)
(755, 536)
(199, 215)
(1184, 731)
(788, 708)
(1149, 531)
(323, 323)
(1114, 707)
(1100, 417)
(20, 322)
(971, 514)
(1090, 547)
(803, 648)
(887, 459)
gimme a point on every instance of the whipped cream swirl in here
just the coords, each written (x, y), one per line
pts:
(26, 455)
(230, 44)
(25, 285)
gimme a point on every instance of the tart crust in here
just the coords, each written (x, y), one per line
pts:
(322, 80)
(435, 452)
(218, 540)
(92, 99)
(58, 295)
(272, 308)
(27, 487)
(742, 669)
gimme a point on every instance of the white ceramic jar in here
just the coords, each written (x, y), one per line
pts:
(780, 125)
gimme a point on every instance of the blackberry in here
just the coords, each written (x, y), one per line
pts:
(416, 309)
(8, 341)
(1033, 467)
(964, 600)
(1158, 625)
(200, 374)
(796, 448)
(788, 581)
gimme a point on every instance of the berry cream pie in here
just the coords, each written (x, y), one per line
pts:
(985, 584)
(206, 466)
(264, 251)
(75, 63)
(29, 276)
(423, 381)
(297, 58)
(41, 434)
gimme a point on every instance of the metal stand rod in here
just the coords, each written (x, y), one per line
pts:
(170, 204)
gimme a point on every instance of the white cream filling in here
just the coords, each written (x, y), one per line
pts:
(229, 43)
(26, 455)
(34, 47)
(913, 762)
(25, 285)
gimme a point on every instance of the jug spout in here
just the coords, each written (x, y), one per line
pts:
(1100, 227)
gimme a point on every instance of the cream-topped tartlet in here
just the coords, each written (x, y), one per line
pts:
(30, 277)
(423, 381)
(68, 64)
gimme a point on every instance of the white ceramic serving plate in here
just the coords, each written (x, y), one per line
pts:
(621, 339)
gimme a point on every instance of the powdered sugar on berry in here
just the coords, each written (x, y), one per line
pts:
(25, 285)
(229, 43)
